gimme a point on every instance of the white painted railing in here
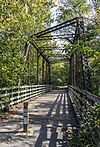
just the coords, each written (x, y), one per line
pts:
(14, 95)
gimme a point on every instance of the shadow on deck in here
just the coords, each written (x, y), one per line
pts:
(50, 117)
(59, 119)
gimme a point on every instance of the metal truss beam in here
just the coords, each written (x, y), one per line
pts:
(74, 33)
(50, 47)
(40, 51)
(51, 37)
(58, 27)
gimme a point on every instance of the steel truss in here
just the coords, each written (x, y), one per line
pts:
(74, 32)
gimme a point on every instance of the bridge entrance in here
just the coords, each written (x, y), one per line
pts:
(52, 122)
(55, 116)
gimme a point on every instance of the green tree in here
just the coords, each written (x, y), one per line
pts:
(72, 8)
(60, 74)
(20, 19)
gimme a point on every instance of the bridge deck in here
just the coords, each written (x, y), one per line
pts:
(50, 116)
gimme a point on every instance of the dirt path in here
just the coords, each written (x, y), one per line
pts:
(50, 116)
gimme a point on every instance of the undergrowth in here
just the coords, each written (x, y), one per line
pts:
(87, 130)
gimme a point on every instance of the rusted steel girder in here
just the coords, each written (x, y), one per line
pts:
(51, 37)
(72, 22)
(43, 62)
(76, 59)
(76, 37)
(40, 51)
(57, 27)
(37, 67)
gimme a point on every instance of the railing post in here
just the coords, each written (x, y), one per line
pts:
(11, 101)
(18, 94)
(7, 100)
(30, 91)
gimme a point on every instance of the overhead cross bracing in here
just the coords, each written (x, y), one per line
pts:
(57, 37)
(72, 22)
(70, 35)
(40, 51)
(70, 31)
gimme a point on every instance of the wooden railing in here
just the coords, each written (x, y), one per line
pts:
(15, 95)
(84, 104)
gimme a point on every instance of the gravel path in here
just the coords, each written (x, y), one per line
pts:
(51, 116)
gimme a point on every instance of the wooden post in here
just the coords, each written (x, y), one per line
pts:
(25, 117)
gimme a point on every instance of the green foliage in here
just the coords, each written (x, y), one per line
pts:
(87, 130)
(19, 20)
(72, 8)
(60, 74)
(91, 47)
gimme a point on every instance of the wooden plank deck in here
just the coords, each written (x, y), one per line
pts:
(50, 116)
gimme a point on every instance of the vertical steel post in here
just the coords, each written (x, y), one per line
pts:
(43, 61)
(37, 67)
(70, 78)
(83, 74)
(29, 67)
(32, 61)
(74, 69)
(46, 72)
(49, 73)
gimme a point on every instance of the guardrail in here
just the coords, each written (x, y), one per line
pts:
(84, 103)
(14, 95)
